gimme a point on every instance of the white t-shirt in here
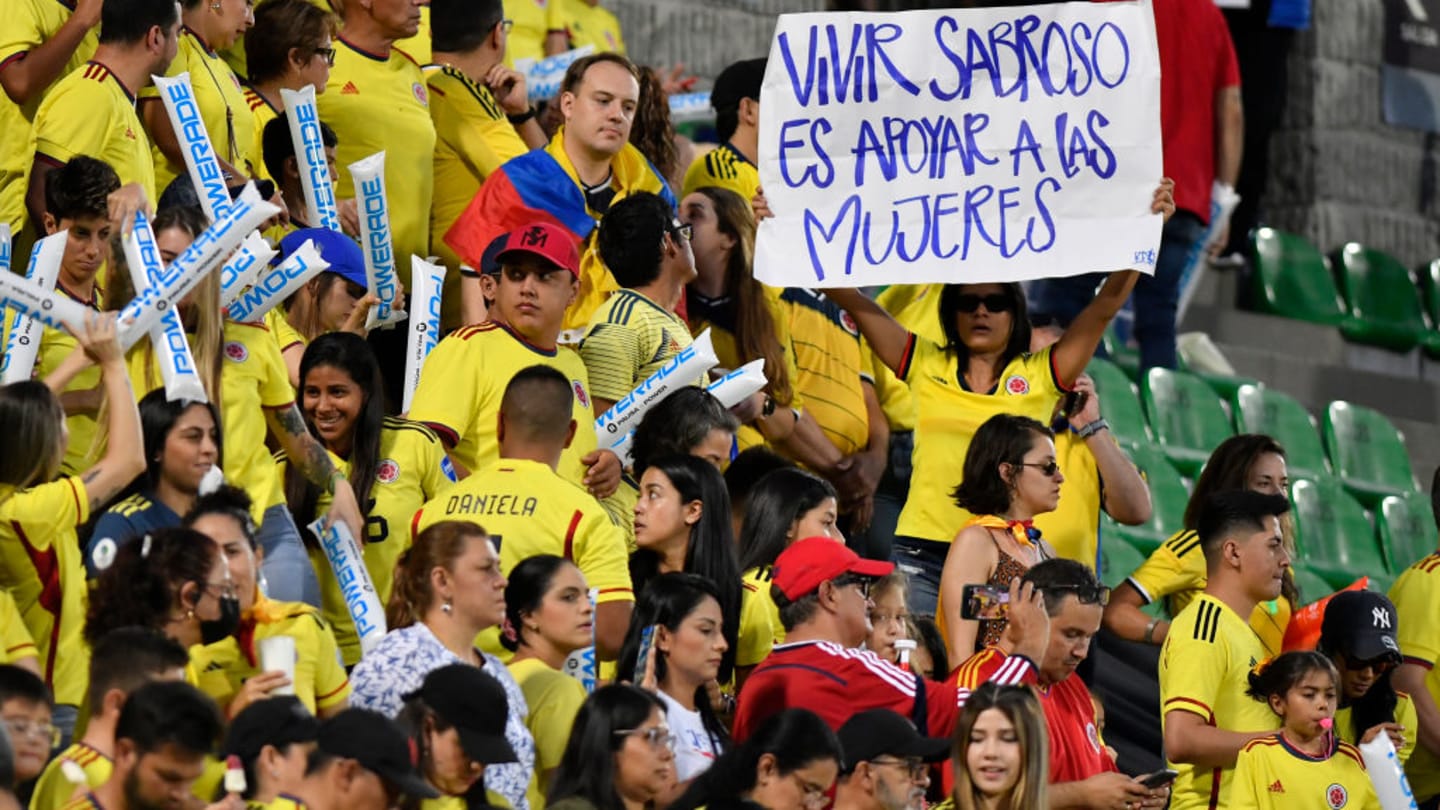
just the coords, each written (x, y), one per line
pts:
(695, 749)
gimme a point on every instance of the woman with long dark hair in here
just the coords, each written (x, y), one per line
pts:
(789, 763)
(785, 505)
(618, 756)
(687, 648)
(394, 465)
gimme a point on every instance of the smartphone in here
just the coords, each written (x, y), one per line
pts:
(1158, 779)
(1074, 401)
(980, 602)
(642, 658)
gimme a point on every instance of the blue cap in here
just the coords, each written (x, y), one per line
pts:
(339, 250)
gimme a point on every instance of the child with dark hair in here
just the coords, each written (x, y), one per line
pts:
(25, 709)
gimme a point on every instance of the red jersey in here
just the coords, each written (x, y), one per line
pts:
(836, 682)
(1076, 752)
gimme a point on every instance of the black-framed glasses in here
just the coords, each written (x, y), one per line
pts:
(506, 25)
(684, 230)
(994, 302)
(1085, 594)
(847, 580)
(657, 737)
(328, 54)
(914, 767)
(1048, 469)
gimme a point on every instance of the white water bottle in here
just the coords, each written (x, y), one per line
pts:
(1386, 773)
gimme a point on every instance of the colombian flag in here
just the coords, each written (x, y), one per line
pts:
(543, 186)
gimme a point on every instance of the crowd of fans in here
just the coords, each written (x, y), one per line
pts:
(871, 584)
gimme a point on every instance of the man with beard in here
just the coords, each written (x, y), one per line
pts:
(886, 763)
(164, 733)
(1082, 774)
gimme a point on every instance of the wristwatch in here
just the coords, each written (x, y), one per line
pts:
(1091, 429)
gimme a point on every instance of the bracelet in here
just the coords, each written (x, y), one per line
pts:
(517, 120)
(335, 475)
(1150, 630)
(1093, 428)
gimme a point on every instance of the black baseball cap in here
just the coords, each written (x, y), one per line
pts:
(1361, 626)
(739, 80)
(490, 259)
(475, 704)
(380, 747)
(878, 732)
(277, 721)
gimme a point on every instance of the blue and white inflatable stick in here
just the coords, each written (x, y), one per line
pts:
(46, 306)
(201, 162)
(376, 240)
(315, 180)
(683, 369)
(1387, 774)
(427, 281)
(244, 266)
(278, 284)
(733, 388)
(348, 563)
(22, 345)
(581, 664)
(205, 254)
(172, 349)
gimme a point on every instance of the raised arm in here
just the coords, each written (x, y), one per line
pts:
(308, 456)
(1127, 498)
(26, 78)
(124, 457)
(885, 335)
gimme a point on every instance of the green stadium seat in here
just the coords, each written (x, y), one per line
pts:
(1125, 356)
(1118, 560)
(1384, 304)
(1406, 525)
(1430, 294)
(1119, 402)
(1185, 415)
(1168, 498)
(1291, 279)
(1280, 416)
(1334, 537)
(1367, 452)
(1313, 587)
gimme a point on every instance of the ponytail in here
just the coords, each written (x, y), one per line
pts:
(439, 546)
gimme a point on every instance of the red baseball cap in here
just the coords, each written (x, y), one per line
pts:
(806, 563)
(545, 241)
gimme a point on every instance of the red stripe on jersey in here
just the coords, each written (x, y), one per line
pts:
(570, 536)
(1209, 714)
(906, 356)
(333, 692)
(447, 435)
(22, 645)
(47, 570)
(1215, 789)
(1419, 662)
(1055, 375)
(75, 494)
(1429, 564)
(415, 524)
(13, 59)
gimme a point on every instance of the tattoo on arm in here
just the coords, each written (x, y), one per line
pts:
(94, 497)
(312, 459)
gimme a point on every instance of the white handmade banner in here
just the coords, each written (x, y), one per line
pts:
(993, 144)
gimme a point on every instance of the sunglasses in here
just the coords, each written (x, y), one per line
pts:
(847, 580)
(1084, 594)
(1379, 665)
(995, 302)
(683, 230)
(1048, 469)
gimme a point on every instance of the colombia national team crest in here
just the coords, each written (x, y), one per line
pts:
(849, 323)
(580, 393)
(1016, 385)
(236, 351)
(388, 472)
(1336, 796)
(420, 93)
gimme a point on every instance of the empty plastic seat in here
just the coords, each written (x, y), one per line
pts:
(1185, 415)
(1313, 587)
(1367, 452)
(1334, 537)
(1119, 402)
(1383, 301)
(1118, 560)
(1430, 295)
(1280, 416)
(1291, 279)
(1406, 525)
(1168, 498)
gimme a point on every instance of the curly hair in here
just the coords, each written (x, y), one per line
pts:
(653, 133)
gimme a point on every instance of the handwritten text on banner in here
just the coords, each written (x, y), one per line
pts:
(960, 145)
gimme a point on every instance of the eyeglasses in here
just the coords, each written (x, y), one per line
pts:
(914, 768)
(506, 25)
(1379, 665)
(995, 302)
(1048, 469)
(683, 230)
(1084, 594)
(328, 54)
(659, 737)
(847, 580)
(39, 731)
(815, 797)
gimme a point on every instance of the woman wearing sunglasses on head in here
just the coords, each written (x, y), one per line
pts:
(1010, 477)
(984, 368)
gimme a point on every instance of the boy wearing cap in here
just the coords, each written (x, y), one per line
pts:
(731, 165)
(1358, 634)
(821, 588)
(464, 378)
(273, 739)
(886, 763)
(361, 761)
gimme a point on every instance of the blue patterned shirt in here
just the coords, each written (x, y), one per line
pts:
(398, 665)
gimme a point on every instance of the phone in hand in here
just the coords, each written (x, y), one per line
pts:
(983, 602)
(647, 647)
(1159, 779)
(1074, 402)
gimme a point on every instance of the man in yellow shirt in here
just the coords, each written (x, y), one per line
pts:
(1416, 594)
(1206, 661)
(463, 381)
(577, 23)
(481, 112)
(636, 331)
(528, 509)
(120, 663)
(92, 110)
(731, 165)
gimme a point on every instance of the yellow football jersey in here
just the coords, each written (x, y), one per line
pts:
(222, 104)
(464, 380)
(1271, 774)
(375, 103)
(630, 337)
(527, 35)
(85, 446)
(261, 114)
(25, 25)
(528, 509)
(89, 112)
(757, 629)
(15, 640)
(253, 379)
(554, 699)
(320, 681)
(1416, 594)
(587, 24)
(723, 167)
(412, 470)
(1073, 529)
(830, 367)
(949, 415)
(42, 567)
(286, 335)
(757, 582)
(1205, 669)
(54, 789)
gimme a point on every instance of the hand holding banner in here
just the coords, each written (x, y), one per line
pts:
(356, 586)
